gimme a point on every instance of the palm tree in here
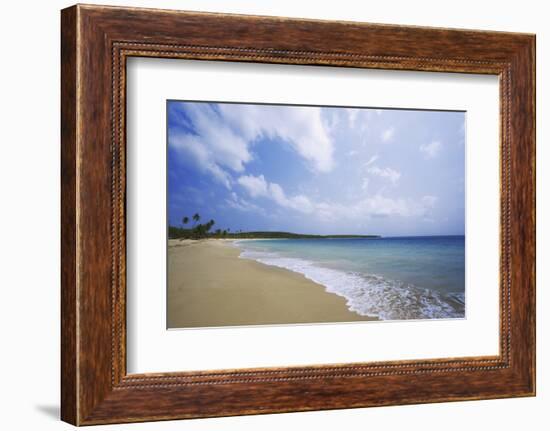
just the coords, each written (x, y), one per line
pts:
(198, 230)
(196, 217)
(209, 225)
(185, 220)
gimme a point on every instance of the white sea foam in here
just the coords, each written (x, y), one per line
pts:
(370, 295)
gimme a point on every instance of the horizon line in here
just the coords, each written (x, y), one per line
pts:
(229, 231)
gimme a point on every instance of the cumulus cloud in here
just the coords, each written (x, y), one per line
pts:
(381, 206)
(301, 127)
(430, 150)
(238, 203)
(387, 173)
(199, 154)
(214, 147)
(259, 187)
(222, 136)
(298, 202)
(372, 206)
(255, 186)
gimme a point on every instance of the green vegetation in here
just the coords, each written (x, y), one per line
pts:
(200, 231)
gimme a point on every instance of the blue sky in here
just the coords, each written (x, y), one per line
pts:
(323, 170)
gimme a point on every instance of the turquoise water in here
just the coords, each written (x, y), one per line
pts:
(389, 278)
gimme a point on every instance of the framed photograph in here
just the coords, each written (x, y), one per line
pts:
(264, 215)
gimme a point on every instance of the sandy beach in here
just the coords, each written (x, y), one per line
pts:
(209, 285)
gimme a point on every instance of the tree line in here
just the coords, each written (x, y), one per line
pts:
(204, 230)
(197, 230)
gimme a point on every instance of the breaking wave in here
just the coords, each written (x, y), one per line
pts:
(369, 294)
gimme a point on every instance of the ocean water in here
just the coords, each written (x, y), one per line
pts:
(388, 278)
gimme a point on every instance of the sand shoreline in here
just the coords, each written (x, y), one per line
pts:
(209, 286)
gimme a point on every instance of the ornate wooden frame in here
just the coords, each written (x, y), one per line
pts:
(95, 43)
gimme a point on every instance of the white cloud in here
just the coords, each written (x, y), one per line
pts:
(255, 186)
(215, 148)
(259, 187)
(388, 173)
(381, 206)
(199, 154)
(430, 150)
(387, 134)
(240, 204)
(277, 194)
(372, 206)
(224, 134)
(298, 203)
(372, 160)
(301, 127)
(365, 183)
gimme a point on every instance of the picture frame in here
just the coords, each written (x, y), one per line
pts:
(96, 42)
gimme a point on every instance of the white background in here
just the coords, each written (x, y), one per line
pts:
(153, 349)
(29, 227)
